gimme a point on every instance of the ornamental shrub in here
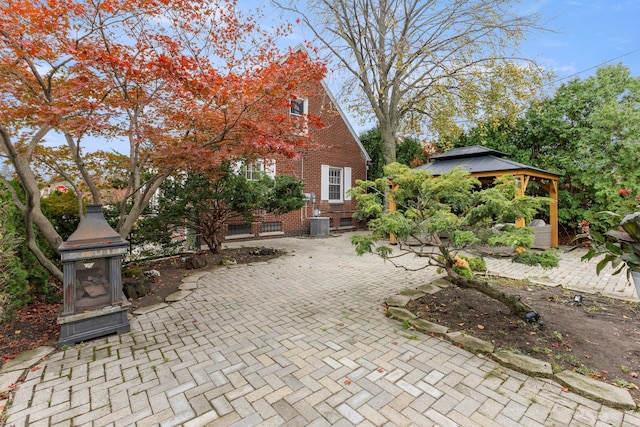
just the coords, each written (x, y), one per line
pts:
(547, 259)
(13, 277)
(475, 263)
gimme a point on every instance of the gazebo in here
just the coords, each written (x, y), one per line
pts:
(486, 165)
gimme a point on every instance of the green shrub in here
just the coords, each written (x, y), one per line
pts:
(475, 263)
(62, 210)
(546, 259)
(13, 277)
(132, 271)
(464, 272)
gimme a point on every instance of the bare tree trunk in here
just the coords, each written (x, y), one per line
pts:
(37, 252)
(128, 219)
(388, 143)
(217, 244)
(515, 305)
(75, 152)
(31, 209)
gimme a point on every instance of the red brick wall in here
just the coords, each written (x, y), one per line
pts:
(334, 145)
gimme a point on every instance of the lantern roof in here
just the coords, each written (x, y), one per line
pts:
(93, 232)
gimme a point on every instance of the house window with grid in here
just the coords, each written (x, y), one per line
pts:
(346, 222)
(237, 229)
(271, 227)
(254, 169)
(299, 110)
(299, 107)
(335, 184)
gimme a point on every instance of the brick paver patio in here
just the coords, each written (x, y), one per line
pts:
(299, 341)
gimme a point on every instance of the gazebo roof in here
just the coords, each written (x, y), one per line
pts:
(479, 160)
(484, 163)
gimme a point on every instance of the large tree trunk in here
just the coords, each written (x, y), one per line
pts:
(217, 244)
(387, 134)
(32, 245)
(516, 306)
(128, 219)
(210, 225)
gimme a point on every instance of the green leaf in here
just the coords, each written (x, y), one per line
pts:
(601, 265)
(588, 255)
(614, 248)
(631, 224)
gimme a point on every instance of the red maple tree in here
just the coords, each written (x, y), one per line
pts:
(186, 83)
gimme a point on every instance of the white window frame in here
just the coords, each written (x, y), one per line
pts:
(335, 184)
(305, 107)
(345, 183)
(252, 170)
(302, 127)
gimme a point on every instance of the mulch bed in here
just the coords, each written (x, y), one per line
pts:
(599, 337)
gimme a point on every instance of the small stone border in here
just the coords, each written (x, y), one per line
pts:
(188, 285)
(599, 391)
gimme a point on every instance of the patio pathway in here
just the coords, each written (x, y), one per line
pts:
(299, 341)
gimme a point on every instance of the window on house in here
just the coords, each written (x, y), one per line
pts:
(253, 170)
(271, 227)
(346, 222)
(299, 110)
(335, 182)
(236, 229)
(299, 107)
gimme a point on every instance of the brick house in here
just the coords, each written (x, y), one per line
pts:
(329, 170)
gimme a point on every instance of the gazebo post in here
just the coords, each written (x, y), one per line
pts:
(392, 208)
(552, 189)
(523, 182)
(553, 212)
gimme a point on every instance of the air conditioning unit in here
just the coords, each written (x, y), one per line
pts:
(319, 226)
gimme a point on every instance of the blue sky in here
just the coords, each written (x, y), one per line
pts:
(585, 34)
(582, 35)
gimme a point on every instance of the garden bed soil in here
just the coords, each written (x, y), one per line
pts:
(599, 337)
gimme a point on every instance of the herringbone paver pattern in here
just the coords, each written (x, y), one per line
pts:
(299, 341)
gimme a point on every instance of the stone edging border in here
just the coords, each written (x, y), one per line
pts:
(590, 388)
(188, 285)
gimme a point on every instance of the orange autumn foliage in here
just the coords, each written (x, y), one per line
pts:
(185, 83)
